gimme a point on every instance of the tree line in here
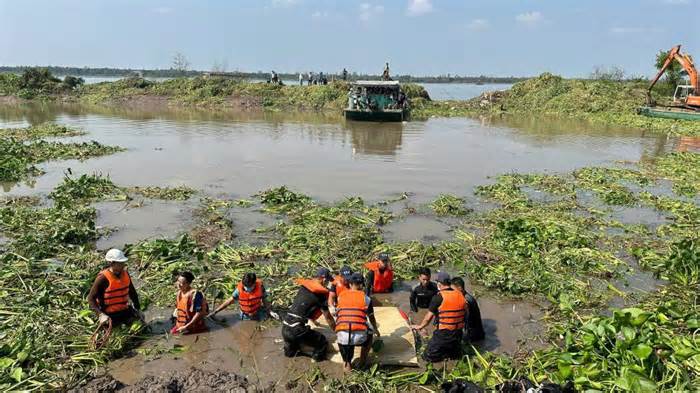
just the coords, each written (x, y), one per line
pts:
(181, 70)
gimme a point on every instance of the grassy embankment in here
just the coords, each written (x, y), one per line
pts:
(597, 101)
(564, 250)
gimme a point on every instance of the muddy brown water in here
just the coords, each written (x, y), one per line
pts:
(235, 155)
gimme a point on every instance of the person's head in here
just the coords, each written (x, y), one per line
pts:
(458, 284)
(356, 281)
(384, 260)
(424, 276)
(117, 260)
(443, 280)
(184, 281)
(345, 273)
(249, 280)
(323, 276)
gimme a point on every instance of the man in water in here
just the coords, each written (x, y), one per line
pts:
(423, 293)
(449, 308)
(252, 299)
(310, 303)
(111, 291)
(474, 329)
(380, 278)
(355, 313)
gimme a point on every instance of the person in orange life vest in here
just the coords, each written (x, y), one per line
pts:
(111, 291)
(474, 329)
(191, 307)
(310, 302)
(450, 309)
(339, 284)
(380, 278)
(355, 324)
(252, 299)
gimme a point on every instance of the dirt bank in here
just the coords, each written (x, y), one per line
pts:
(192, 380)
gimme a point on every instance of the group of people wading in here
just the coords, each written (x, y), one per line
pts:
(343, 300)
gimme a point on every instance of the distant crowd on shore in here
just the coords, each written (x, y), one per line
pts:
(312, 78)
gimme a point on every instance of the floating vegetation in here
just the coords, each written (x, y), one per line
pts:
(449, 205)
(18, 159)
(683, 168)
(179, 193)
(42, 130)
(557, 252)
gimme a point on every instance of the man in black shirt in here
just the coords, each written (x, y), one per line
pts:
(310, 303)
(424, 291)
(474, 329)
(450, 308)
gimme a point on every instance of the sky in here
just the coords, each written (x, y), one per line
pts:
(418, 37)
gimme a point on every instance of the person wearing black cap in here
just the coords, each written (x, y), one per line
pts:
(355, 325)
(474, 331)
(380, 278)
(310, 303)
(340, 283)
(449, 308)
(423, 293)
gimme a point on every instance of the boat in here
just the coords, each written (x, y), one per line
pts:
(667, 112)
(382, 101)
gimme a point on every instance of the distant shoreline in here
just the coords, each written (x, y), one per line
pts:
(92, 72)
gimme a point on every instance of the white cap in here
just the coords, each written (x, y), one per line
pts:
(115, 255)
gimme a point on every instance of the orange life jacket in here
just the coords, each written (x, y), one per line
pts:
(340, 286)
(452, 310)
(352, 311)
(316, 288)
(382, 281)
(185, 312)
(116, 296)
(250, 302)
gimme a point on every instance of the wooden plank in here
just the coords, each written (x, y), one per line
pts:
(399, 345)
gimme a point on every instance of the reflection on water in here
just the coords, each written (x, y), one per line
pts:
(382, 139)
(241, 153)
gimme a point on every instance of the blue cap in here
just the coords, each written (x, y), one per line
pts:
(325, 273)
(443, 278)
(356, 278)
(384, 257)
(346, 272)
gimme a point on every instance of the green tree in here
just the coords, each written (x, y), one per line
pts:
(673, 72)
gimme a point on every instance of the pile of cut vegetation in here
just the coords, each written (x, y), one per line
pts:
(599, 101)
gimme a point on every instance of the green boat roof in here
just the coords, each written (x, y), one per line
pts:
(377, 83)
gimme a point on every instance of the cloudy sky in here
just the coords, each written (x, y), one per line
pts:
(421, 37)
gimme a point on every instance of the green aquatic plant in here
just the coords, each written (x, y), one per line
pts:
(179, 193)
(85, 189)
(282, 199)
(683, 169)
(449, 205)
(42, 130)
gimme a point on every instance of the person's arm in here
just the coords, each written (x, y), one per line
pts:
(370, 315)
(370, 282)
(435, 303)
(426, 320)
(225, 304)
(329, 319)
(332, 296)
(97, 291)
(414, 299)
(266, 301)
(134, 296)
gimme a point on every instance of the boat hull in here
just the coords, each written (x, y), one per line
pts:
(669, 113)
(379, 116)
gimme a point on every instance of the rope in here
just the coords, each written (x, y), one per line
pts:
(97, 342)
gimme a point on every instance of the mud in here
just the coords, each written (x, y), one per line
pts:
(192, 380)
